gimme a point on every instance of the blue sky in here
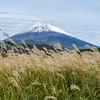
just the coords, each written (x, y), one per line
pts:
(80, 18)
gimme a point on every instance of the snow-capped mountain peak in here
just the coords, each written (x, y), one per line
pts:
(46, 33)
(44, 27)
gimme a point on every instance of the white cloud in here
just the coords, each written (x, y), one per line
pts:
(79, 18)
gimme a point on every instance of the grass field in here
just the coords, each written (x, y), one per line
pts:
(49, 75)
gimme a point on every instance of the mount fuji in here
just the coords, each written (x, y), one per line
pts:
(46, 33)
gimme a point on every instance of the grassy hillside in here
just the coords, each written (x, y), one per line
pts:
(49, 75)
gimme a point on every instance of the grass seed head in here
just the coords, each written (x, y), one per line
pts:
(74, 87)
(76, 48)
(13, 82)
(58, 46)
(36, 83)
(61, 76)
(50, 97)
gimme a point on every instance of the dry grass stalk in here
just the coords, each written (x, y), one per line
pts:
(24, 43)
(14, 48)
(3, 45)
(76, 48)
(36, 83)
(58, 46)
(13, 82)
(53, 90)
(74, 87)
(8, 38)
(45, 49)
(44, 85)
(36, 50)
(27, 48)
(50, 97)
(16, 75)
(61, 76)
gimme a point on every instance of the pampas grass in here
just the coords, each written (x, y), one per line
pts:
(50, 97)
(74, 87)
(13, 82)
(60, 75)
(58, 46)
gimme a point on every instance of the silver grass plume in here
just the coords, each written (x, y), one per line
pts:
(76, 48)
(58, 46)
(26, 46)
(74, 87)
(61, 76)
(24, 43)
(8, 38)
(3, 44)
(50, 97)
(13, 82)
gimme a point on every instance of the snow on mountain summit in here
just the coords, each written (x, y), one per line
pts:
(44, 27)
(46, 33)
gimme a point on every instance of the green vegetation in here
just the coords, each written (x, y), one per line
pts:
(64, 75)
(89, 50)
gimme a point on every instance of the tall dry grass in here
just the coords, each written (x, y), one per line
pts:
(64, 75)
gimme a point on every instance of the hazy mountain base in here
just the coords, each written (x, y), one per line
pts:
(64, 75)
(50, 38)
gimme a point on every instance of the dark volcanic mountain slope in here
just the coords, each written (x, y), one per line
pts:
(45, 33)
